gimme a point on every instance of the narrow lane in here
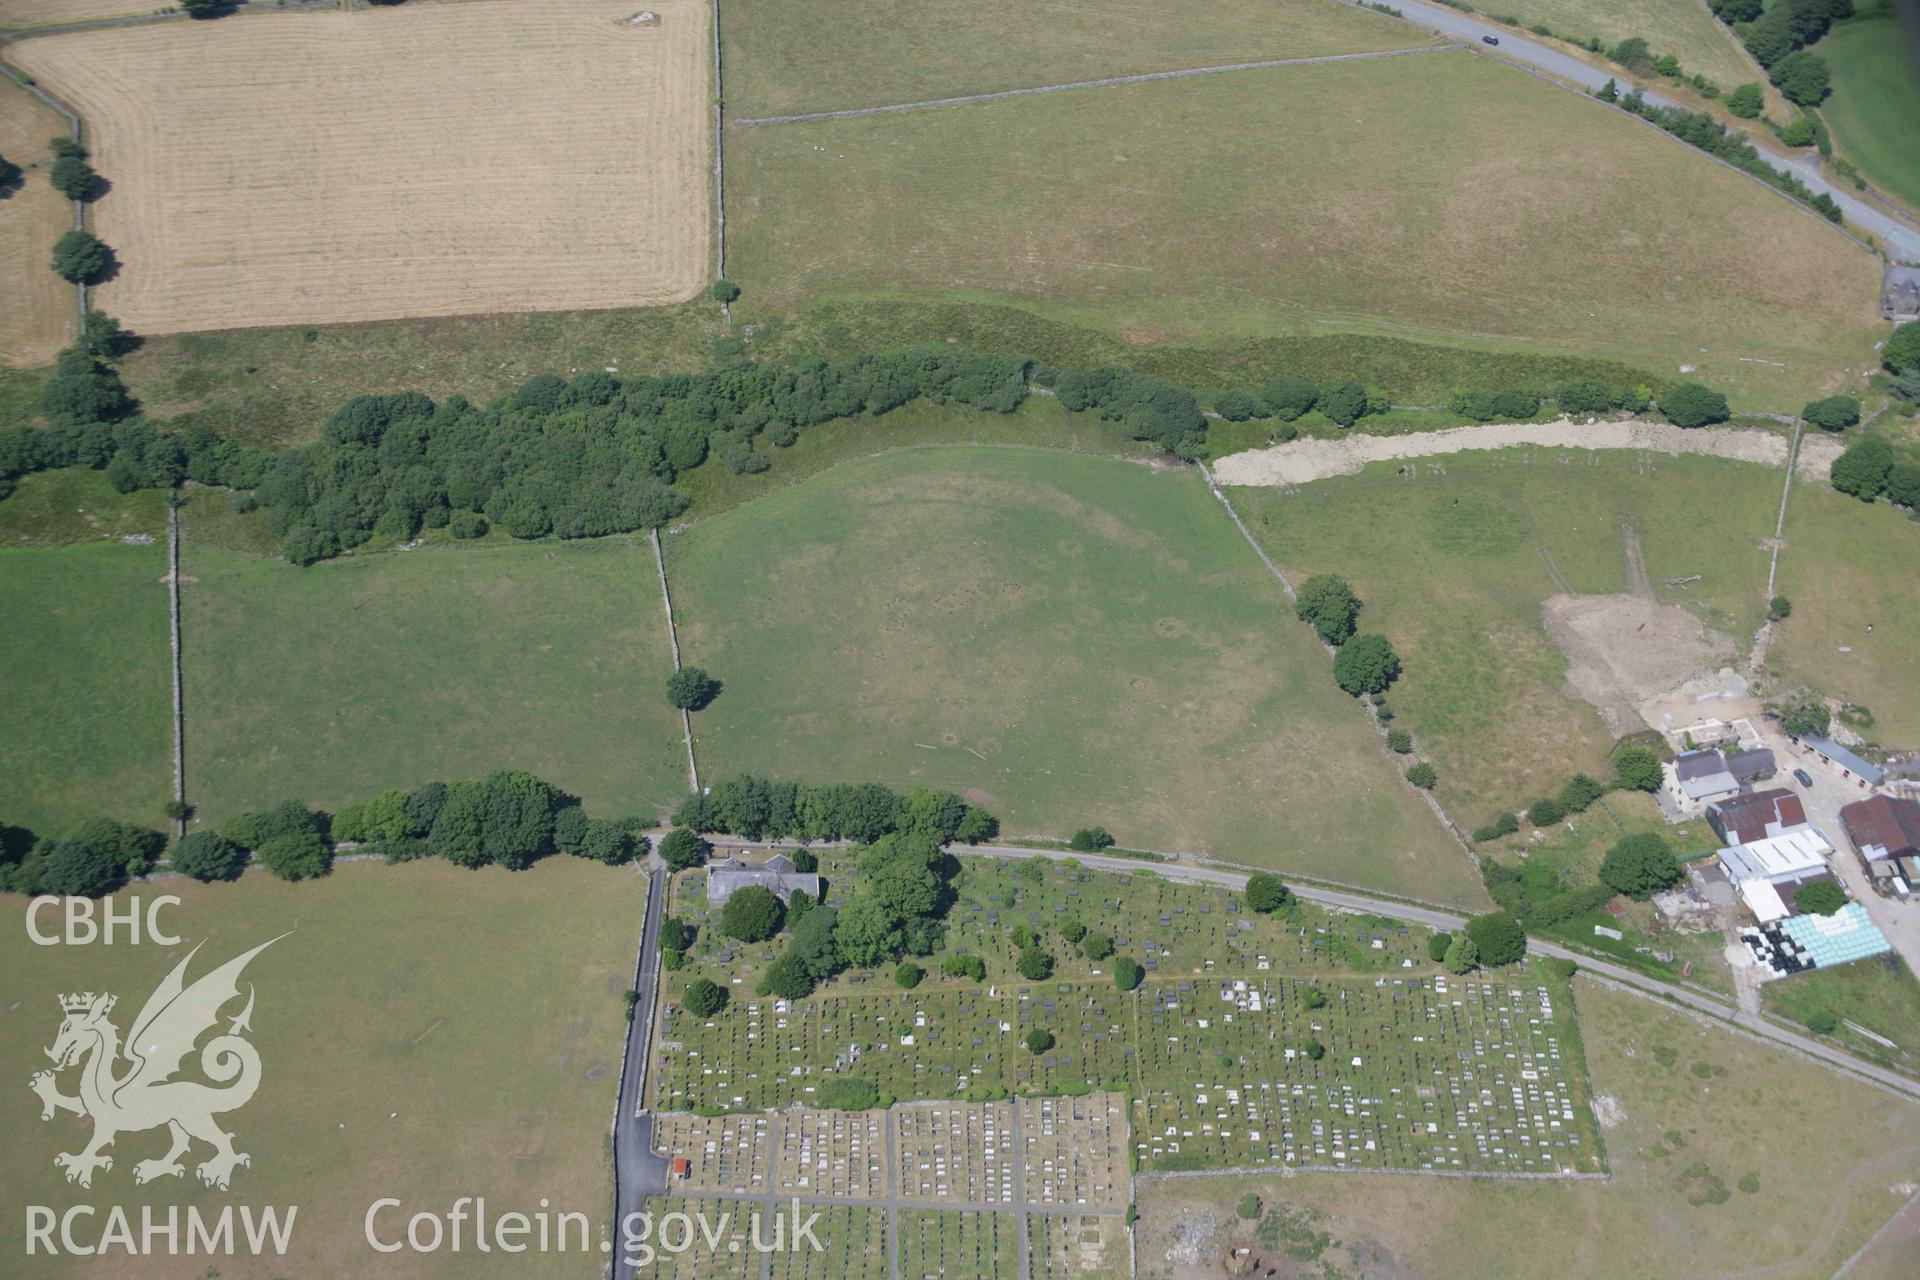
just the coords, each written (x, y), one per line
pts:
(637, 1171)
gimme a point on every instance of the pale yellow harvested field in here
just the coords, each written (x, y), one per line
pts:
(19, 14)
(430, 160)
(36, 306)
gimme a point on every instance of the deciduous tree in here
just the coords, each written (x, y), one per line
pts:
(1497, 937)
(207, 856)
(752, 914)
(1692, 405)
(80, 257)
(691, 688)
(1640, 866)
(703, 998)
(1327, 603)
(1366, 664)
(1864, 469)
(681, 849)
(1266, 893)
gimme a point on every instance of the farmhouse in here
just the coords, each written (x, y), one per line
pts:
(1886, 834)
(777, 874)
(1700, 777)
(1757, 816)
(1768, 872)
(1862, 773)
(1900, 294)
(1756, 765)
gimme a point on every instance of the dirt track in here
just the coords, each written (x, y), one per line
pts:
(1306, 460)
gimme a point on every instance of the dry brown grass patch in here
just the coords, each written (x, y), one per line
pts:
(38, 316)
(17, 15)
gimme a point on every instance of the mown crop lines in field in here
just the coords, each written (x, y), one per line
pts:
(432, 160)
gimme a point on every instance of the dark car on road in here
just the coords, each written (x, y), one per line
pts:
(1805, 779)
(1489, 39)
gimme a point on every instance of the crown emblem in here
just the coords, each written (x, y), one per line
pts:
(82, 1001)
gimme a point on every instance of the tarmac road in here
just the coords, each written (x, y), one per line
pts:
(637, 1171)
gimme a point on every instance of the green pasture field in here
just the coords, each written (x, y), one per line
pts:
(331, 683)
(276, 387)
(1204, 211)
(1686, 29)
(400, 1056)
(1875, 101)
(1449, 560)
(61, 508)
(1176, 930)
(1421, 1070)
(1040, 423)
(1847, 567)
(1879, 994)
(1068, 640)
(1689, 1111)
(84, 675)
(782, 60)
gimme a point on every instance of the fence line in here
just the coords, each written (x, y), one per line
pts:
(719, 158)
(673, 637)
(173, 614)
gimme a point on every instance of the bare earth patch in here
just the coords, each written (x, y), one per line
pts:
(1303, 461)
(327, 167)
(1626, 650)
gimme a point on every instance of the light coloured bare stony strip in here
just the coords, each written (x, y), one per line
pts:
(1303, 461)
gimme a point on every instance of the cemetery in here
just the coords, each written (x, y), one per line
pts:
(696, 1261)
(1301, 1039)
(1169, 927)
(1075, 1246)
(937, 1244)
(972, 1185)
(957, 1151)
(1074, 1152)
(1474, 1074)
(853, 1246)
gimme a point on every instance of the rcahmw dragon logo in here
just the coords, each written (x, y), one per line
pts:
(127, 1088)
